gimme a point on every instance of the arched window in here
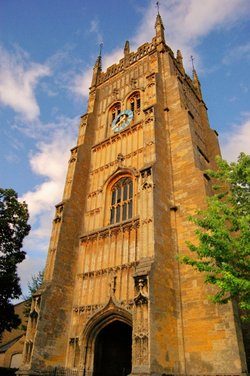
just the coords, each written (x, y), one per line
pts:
(114, 111)
(135, 103)
(121, 200)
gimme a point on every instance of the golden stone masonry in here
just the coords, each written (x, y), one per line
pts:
(115, 301)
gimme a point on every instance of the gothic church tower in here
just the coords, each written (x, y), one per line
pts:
(115, 301)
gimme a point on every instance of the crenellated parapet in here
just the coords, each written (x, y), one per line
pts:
(130, 59)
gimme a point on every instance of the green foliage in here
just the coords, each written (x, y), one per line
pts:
(33, 286)
(223, 231)
(13, 228)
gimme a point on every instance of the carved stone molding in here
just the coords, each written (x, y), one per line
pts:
(112, 269)
(146, 172)
(111, 230)
(143, 268)
(93, 211)
(149, 119)
(28, 351)
(116, 137)
(131, 58)
(36, 302)
(104, 234)
(141, 350)
(95, 193)
(84, 119)
(128, 305)
(87, 310)
(73, 340)
(149, 143)
(146, 179)
(59, 212)
(146, 221)
(120, 158)
(115, 93)
(141, 288)
(134, 83)
(149, 114)
(147, 186)
(117, 162)
(151, 78)
(74, 152)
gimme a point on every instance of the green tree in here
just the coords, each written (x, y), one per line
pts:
(223, 233)
(13, 228)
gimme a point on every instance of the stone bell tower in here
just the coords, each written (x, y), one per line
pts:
(115, 301)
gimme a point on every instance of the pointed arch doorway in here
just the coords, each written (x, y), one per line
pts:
(113, 350)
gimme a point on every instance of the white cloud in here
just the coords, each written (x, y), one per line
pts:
(29, 267)
(236, 140)
(42, 197)
(50, 162)
(112, 58)
(81, 83)
(95, 28)
(18, 80)
(186, 22)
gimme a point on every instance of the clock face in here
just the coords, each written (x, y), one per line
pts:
(122, 120)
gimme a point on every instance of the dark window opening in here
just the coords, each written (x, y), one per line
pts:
(124, 212)
(135, 102)
(118, 208)
(115, 110)
(130, 208)
(132, 106)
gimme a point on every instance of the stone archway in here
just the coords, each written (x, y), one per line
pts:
(101, 331)
(113, 350)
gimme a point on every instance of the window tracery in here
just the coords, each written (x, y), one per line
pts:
(115, 110)
(135, 102)
(121, 200)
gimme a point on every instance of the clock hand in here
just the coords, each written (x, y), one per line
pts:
(121, 120)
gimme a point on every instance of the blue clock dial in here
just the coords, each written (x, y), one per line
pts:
(122, 120)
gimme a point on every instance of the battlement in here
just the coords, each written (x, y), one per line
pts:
(128, 60)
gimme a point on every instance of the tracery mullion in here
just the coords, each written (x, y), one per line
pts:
(121, 200)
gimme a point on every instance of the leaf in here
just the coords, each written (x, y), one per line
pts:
(223, 234)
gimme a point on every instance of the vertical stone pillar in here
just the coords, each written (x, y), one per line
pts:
(140, 340)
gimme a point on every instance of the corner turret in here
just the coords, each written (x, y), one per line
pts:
(97, 69)
(126, 53)
(196, 83)
(159, 29)
(179, 60)
(126, 48)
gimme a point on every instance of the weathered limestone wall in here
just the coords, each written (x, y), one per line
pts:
(210, 340)
(46, 342)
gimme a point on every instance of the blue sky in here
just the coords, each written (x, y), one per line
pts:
(47, 51)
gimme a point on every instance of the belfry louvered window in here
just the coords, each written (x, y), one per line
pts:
(121, 200)
(115, 110)
(135, 102)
